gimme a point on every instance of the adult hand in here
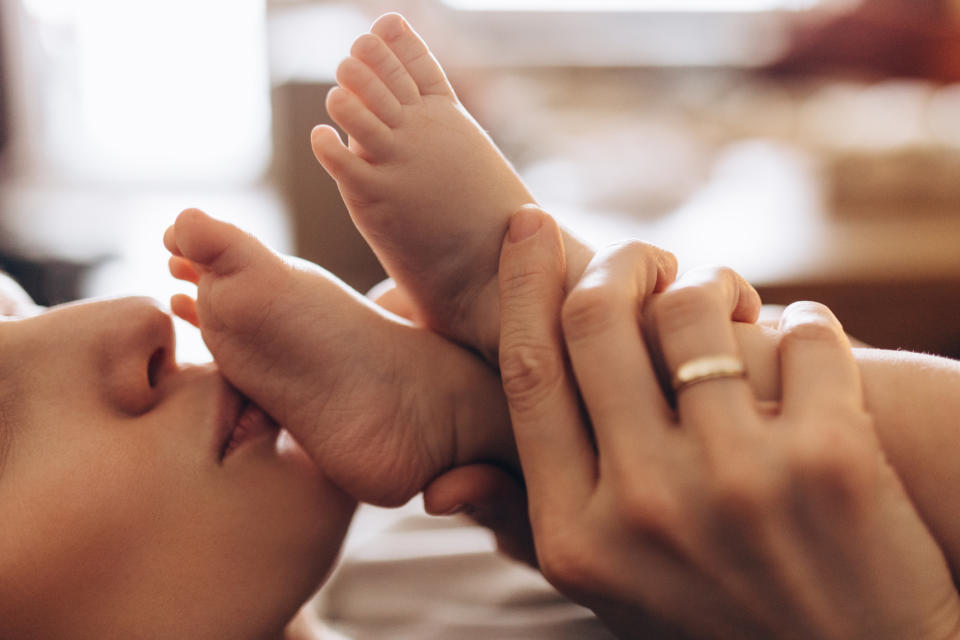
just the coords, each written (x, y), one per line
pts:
(713, 518)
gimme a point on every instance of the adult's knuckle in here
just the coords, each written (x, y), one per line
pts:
(651, 262)
(831, 464)
(530, 370)
(522, 283)
(740, 497)
(684, 306)
(707, 276)
(568, 563)
(720, 275)
(588, 312)
(649, 510)
(668, 262)
(636, 251)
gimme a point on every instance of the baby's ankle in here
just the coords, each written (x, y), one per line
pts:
(480, 418)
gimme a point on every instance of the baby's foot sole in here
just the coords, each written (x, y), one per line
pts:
(321, 360)
(424, 184)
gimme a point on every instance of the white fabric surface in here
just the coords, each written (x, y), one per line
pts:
(412, 576)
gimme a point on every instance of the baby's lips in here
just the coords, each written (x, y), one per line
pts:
(251, 425)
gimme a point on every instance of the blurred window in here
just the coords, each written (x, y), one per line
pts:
(153, 91)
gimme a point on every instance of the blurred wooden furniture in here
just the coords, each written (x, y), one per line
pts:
(323, 231)
(916, 315)
(893, 279)
(909, 38)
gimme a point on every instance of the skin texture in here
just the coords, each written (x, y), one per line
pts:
(412, 155)
(711, 518)
(911, 397)
(119, 518)
(423, 182)
(383, 407)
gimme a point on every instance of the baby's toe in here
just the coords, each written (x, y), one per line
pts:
(185, 308)
(374, 52)
(344, 166)
(373, 136)
(355, 76)
(413, 54)
(170, 240)
(214, 245)
(183, 269)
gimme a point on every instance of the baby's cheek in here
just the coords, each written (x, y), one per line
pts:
(322, 510)
(317, 517)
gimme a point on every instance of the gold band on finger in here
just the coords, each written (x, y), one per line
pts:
(708, 368)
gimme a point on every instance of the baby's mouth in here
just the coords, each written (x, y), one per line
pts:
(243, 422)
(252, 424)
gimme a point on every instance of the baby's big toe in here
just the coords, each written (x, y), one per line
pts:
(216, 246)
(413, 54)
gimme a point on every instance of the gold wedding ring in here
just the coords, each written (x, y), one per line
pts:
(708, 368)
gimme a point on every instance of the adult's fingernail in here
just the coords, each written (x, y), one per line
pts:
(526, 222)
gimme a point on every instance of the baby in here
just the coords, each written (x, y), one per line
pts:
(433, 196)
(427, 187)
(381, 405)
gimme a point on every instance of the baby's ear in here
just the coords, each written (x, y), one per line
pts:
(394, 299)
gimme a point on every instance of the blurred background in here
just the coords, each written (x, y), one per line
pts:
(812, 145)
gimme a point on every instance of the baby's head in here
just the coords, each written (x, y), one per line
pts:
(119, 518)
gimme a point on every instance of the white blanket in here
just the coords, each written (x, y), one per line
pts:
(407, 575)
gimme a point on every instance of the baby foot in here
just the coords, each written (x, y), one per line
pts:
(382, 407)
(425, 185)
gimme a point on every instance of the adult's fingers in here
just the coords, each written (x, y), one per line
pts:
(817, 367)
(492, 498)
(693, 322)
(555, 449)
(607, 351)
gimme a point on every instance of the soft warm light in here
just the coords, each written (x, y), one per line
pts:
(630, 5)
(158, 91)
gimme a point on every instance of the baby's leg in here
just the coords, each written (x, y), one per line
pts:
(383, 407)
(423, 182)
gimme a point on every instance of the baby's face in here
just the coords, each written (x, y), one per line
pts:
(119, 517)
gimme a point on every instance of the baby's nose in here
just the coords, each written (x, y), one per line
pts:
(138, 352)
